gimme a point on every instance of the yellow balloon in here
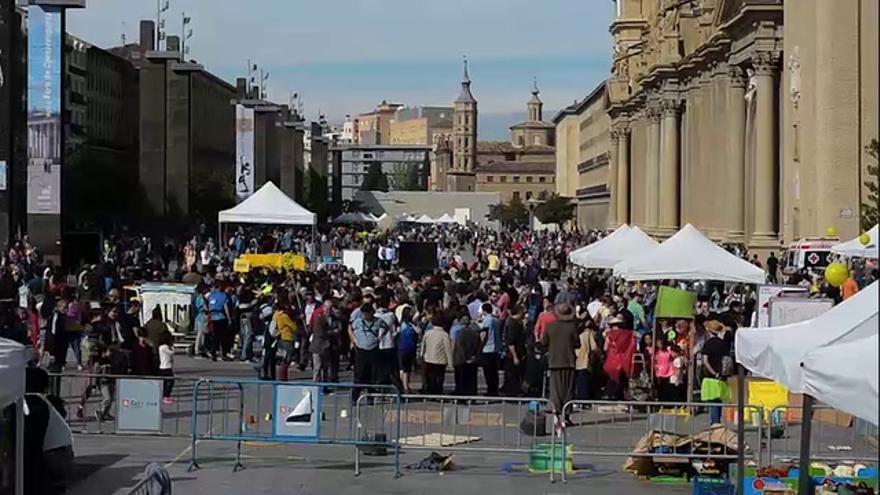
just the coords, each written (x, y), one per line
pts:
(865, 239)
(836, 273)
(831, 232)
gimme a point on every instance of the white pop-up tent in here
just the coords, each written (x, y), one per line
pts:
(446, 219)
(269, 205)
(425, 220)
(855, 249)
(689, 255)
(832, 357)
(13, 362)
(613, 249)
(580, 251)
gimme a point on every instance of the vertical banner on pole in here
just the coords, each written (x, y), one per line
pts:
(44, 110)
(244, 152)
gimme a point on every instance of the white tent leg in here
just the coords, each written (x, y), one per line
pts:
(19, 446)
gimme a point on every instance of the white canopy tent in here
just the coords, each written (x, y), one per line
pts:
(446, 219)
(269, 205)
(406, 218)
(832, 357)
(350, 218)
(13, 362)
(855, 249)
(425, 220)
(689, 255)
(613, 249)
(580, 251)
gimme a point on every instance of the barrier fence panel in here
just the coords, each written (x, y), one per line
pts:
(94, 403)
(835, 436)
(487, 425)
(292, 412)
(620, 429)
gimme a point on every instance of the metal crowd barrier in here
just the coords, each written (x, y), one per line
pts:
(835, 436)
(292, 412)
(83, 392)
(155, 479)
(614, 429)
(476, 424)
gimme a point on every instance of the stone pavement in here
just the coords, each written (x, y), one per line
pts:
(110, 464)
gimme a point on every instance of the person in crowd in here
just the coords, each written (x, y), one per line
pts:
(620, 346)
(205, 341)
(717, 365)
(561, 341)
(772, 268)
(515, 347)
(407, 346)
(219, 317)
(155, 327)
(365, 338)
(144, 360)
(587, 356)
(387, 369)
(323, 346)
(663, 368)
(638, 312)
(466, 355)
(247, 305)
(166, 366)
(267, 367)
(436, 355)
(676, 391)
(545, 318)
(849, 287)
(283, 330)
(490, 335)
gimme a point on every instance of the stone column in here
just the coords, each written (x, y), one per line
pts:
(623, 186)
(613, 177)
(736, 142)
(668, 184)
(652, 175)
(765, 153)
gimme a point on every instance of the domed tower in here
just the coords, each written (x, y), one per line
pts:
(461, 176)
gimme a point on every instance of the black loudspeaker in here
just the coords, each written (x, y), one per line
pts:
(418, 257)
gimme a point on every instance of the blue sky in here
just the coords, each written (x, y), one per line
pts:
(345, 56)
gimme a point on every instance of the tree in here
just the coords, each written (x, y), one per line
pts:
(557, 209)
(870, 214)
(405, 177)
(512, 214)
(375, 179)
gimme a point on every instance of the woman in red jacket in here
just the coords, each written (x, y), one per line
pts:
(620, 345)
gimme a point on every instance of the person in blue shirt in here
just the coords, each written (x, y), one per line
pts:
(407, 346)
(204, 338)
(218, 311)
(490, 336)
(366, 331)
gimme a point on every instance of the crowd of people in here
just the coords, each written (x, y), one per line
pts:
(506, 304)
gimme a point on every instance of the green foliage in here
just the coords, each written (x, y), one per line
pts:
(512, 214)
(405, 177)
(557, 209)
(870, 215)
(375, 179)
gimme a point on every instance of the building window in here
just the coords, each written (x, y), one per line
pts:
(528, 195)
(503, 178)
(542, 179)
(529, 178)
(516, 195)
(490, 178)
(516, 179)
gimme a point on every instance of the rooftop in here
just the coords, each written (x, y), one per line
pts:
(523, 167)
(508, 147)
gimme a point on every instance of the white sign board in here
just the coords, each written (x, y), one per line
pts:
(354, 259)
(175, 300)
(785, 311)
(768, 292)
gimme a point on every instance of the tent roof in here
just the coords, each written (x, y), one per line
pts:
(424, 219)
(446, 218)
(855, 249)
(829, 356)
(351, 217)
(12, 370)
(689, 255)
(269, 205)
(619, 246)
(580, 251)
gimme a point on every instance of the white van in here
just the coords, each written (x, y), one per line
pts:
(811, 253)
